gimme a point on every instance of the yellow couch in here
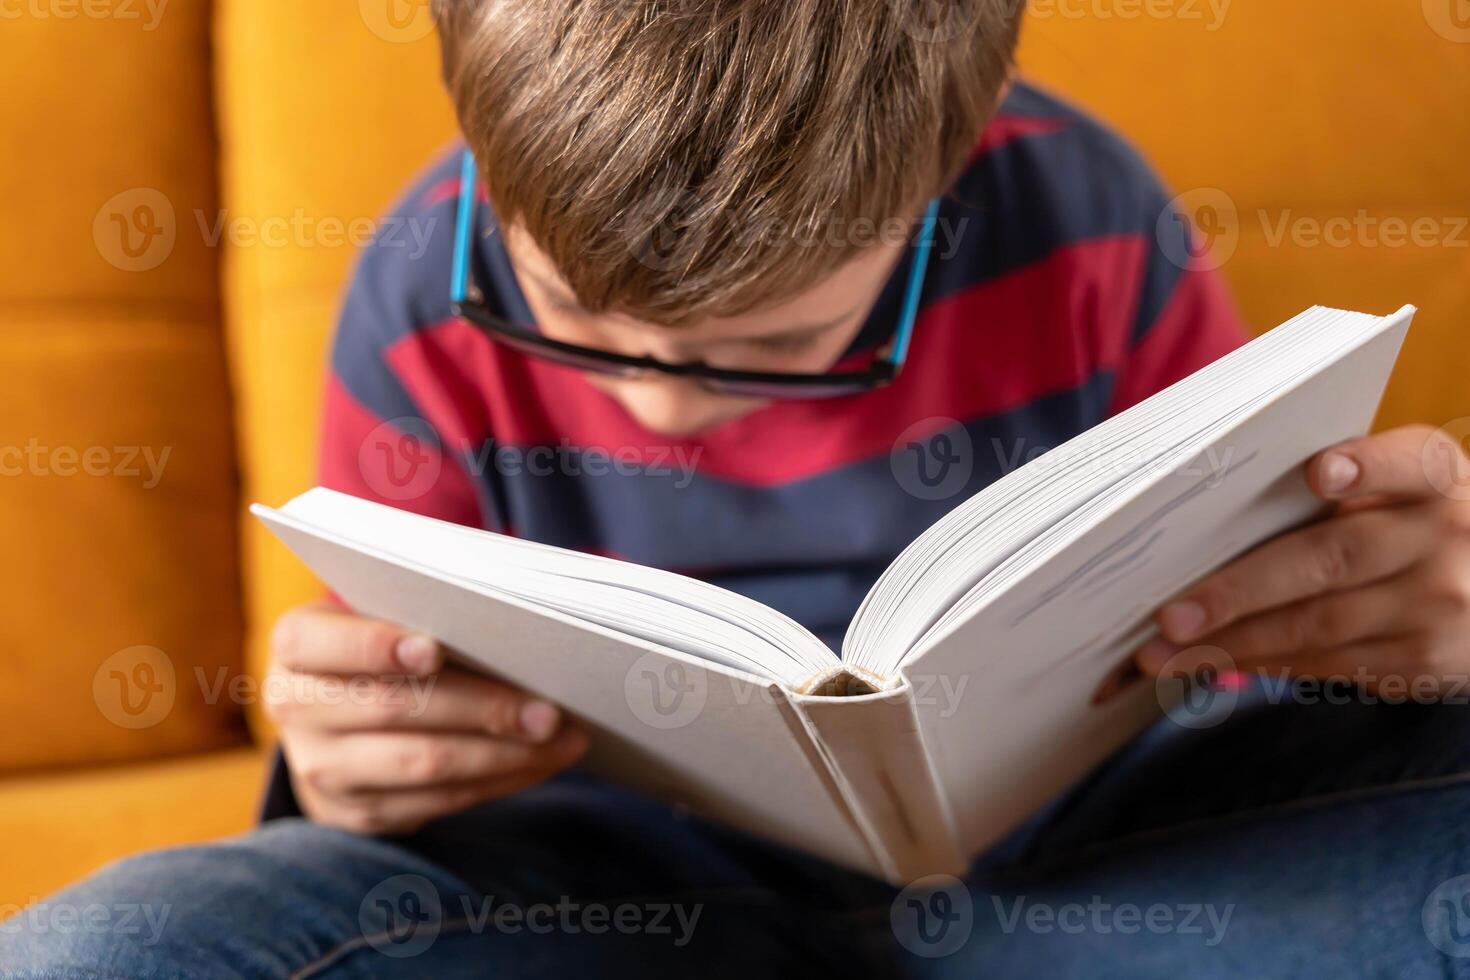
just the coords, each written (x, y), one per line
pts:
(151, 308)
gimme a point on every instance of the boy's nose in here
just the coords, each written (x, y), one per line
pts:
(668, 405)
(668, 350)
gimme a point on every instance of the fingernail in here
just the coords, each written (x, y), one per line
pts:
(539, 719)
(1182, 621)
(1338, 472)
(1154, 655)
(416, 653)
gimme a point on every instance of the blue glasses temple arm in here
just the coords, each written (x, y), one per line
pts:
(916, 284)
(463, 221)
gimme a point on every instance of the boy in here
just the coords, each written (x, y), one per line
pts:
(684, 221)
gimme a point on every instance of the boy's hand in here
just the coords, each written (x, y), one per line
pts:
(1378, 593)
(382, 737)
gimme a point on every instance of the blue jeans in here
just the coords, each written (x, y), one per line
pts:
(1312, 840)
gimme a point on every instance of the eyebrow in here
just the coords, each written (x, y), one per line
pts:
(556, 294)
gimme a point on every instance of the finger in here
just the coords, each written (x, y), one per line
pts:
(1412, 461)
(1396, 659)
(320, 639)
(1388, 665)
(1339, 553)
(406, 810)
(451, 700)
(367, 762)
(1324, 622)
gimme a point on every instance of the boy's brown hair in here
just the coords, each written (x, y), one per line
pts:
(681, 159)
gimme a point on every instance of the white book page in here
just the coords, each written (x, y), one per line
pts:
(662, 607)
(722, 741)
(1036, 642)
(939, 569)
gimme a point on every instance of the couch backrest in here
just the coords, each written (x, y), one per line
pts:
(117, 469)
(326, 111)
(1276, 116)
(1324, 146)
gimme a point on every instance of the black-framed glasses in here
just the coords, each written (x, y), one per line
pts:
(467, 304)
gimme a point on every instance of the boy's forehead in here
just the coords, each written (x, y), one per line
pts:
(838, 298)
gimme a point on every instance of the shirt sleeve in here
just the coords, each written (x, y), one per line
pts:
(391, 431)
(1185, 317)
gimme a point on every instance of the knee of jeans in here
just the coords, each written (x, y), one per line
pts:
(255, 904)
(126, 918)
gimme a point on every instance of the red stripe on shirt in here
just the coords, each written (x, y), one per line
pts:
(1007, 129)
(378, 460)
(1198, 325)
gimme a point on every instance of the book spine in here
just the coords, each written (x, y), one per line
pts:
(873, 750)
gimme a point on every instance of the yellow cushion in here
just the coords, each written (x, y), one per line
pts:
(61, 826)
(333, 139)
(1329, 138)
(117, 476)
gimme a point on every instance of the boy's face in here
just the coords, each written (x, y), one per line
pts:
(806, 334)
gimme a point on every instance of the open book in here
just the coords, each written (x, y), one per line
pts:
(964, 695)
